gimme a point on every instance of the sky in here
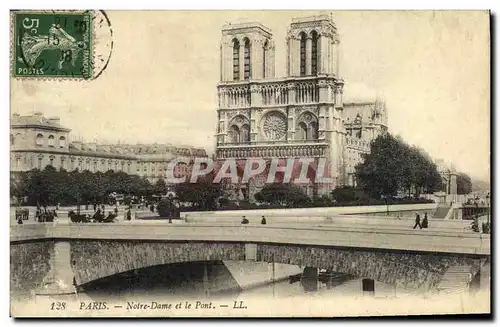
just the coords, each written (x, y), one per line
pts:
(432, 69)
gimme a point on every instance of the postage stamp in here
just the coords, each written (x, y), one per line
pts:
(53, 44)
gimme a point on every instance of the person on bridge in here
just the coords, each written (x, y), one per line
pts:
(244, 221)
(129, 215)
(417, 222)
(263, 221)
(425, 221)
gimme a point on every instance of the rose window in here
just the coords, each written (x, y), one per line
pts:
(274, 126)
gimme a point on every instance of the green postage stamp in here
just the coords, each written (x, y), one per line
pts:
(54, 44)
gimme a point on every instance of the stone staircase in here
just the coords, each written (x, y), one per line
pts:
(455, 280)
(441, 211)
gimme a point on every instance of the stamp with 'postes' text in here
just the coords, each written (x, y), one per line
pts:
(52, 44)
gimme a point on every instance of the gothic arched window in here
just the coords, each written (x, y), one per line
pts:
(303, 39)
(314, 53)
(302, 131)
(312, 131)
(264, 55)
(248, 72)
(234, 134)
(236, 60)
(245, 133)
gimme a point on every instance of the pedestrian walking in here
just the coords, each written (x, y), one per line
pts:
(263, 221)
(425, 221)
(417, 222)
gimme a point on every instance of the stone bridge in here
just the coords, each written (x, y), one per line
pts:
(59, 256)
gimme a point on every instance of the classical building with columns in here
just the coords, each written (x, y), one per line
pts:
(37, 141)
(299, 115)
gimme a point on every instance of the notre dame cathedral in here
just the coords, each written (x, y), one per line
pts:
(299, 115)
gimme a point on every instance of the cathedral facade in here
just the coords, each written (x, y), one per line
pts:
(296, 116)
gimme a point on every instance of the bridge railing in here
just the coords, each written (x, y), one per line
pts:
(343, 236)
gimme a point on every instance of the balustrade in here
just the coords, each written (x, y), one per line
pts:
(306, 92)
(261, 150)
(274, 94)
(268, 93)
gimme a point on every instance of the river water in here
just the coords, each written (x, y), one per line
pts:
(339, 295)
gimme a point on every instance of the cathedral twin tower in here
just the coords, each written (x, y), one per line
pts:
(299, 115)
(247, 50)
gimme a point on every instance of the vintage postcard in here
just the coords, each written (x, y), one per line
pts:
(249, 163)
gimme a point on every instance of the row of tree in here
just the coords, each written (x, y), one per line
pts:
(50, 186)
(391, 166)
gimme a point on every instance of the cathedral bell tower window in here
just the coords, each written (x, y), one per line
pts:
(247, 59)
(303, 39)
(314, 53)
(236, 60)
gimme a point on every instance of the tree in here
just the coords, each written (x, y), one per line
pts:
(203, 195)
(283, 195)
(49, 186)
(464, 184)
(160, 186)
(392, 166)
(167, 208)
(383, 171)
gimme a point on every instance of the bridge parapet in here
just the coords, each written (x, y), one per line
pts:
(417, 259)
(337, 236)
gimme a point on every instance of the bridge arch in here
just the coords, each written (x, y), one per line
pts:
(97, 259)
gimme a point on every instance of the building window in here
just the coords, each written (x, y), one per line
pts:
(62, 142)
(40, 163)
(18, 161)
(39, 139)
(122, 166)
(236, 60)
(95, 166)
(302, 131)
(303, 39)
(128, 168)
(234, 134)
(51, 140)
(248, 66)
(312, 131)
(62, 163)
(11, 139)
(314, 53)
(51, 162)
(245, 133)
(264, 56)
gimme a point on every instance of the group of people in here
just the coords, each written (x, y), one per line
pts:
(245, 221)
(41, 215)
(423, 224)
